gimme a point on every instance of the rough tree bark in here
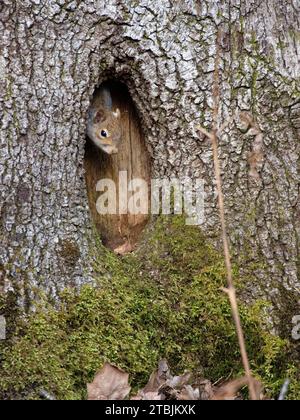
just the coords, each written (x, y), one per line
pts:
(53, 53)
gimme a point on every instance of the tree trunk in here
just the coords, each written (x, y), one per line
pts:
(54, 53)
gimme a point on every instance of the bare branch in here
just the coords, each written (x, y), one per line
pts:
(230, 290)
(205, 132)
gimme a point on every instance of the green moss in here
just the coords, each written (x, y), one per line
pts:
(163, 301)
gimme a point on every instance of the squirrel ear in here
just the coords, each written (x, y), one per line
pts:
(117, 113)
(100, 116)
(106, 98)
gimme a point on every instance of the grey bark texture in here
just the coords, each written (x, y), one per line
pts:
(53, 53)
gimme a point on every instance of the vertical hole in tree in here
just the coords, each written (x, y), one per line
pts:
(119, 231)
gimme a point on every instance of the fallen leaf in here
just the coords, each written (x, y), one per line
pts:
(163, 385)
(124, 249)
(188, 393)
(158, 377)
(230, 390)
(179, 381)
(206, 390)
(110, 383)
(147, 396)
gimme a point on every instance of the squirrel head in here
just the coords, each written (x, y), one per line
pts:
(104, 128)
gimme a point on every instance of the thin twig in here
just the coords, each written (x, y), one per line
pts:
(213, 136)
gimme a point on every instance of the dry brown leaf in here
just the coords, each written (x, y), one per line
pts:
(110, 383)
(179, 381)
(188, 393)
(147, 396)
(159, 377)
(124, 249)
(230, 390)
(206, 390)
(168, 393)
(163, 385)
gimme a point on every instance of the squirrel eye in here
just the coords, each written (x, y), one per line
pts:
(103, 133)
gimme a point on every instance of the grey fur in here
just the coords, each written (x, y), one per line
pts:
(106, 97)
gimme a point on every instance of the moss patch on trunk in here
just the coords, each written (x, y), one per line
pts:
(162, 301)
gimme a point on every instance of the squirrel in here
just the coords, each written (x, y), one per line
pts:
(104, 124)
